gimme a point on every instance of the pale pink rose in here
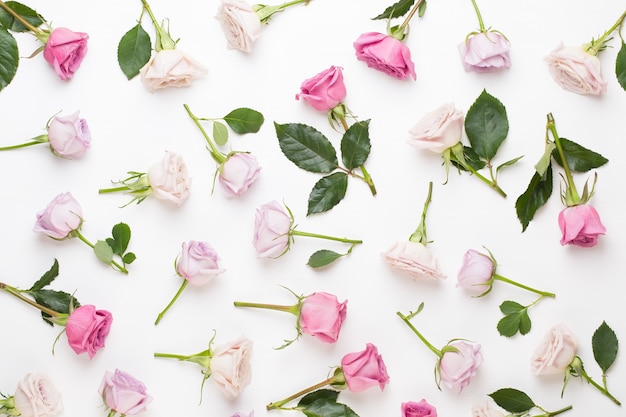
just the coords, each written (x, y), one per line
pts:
(439, 129)
(576, 70)
(271, 230)
(65, 51)
(325, 90)
(240, 23)
(485, 52)
(555, 352)
(243, 415)
(321, 316)
(418, 409)
(169, 179)
(458, 368)
(60, 218)
(36, 396)
(87, 329)
(485, 410)
(230, 366)
(238, 173)
(580, 225)
(386, 54)
(69, 136)
(170, 68)
(414, 259)
(364, 369)
(476, 273)
(198, 263)
(123, 393)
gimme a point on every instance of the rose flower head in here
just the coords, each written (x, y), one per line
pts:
(87, 329)
(272, 224)
(69, 136)
(386, 54)
(364, 369)
(65, 51)
(61, 217)
(458, 364)
(123, 393)
(476, 273)
(35, 396)
(580, 225)
(237, 174)
(325, 90)
(418, 409)
(486, 51)
(555, 352)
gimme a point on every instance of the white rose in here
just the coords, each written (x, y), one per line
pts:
(414, 259)
(36, 396)
(240, 24)
(576, 70)
(485, 410)
(555, 352)
(169, 179)
(439, 129)
(230, 366)
(170, 68)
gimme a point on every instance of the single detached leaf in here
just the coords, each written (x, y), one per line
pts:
(244, 120)
(327, 192)
(220, 133)
(11, 23)
(103, 251)
(422, 8)
(47, 277)
(322, 258)
(324, 394)
(535, 196)
(620, 66)
(9, 57)
(508, 307)
(512, 400)
(509, 325)
(306, 147)
(355, 145)
(604, 343)
(396, 10)
(121, 234)
(134, 51)
(486, 125)
(579, 159)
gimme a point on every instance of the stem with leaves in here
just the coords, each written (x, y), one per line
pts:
(571, 194)
(17, 293)
(114, 264)
(40, 34)
(218, 156)
(265, 12)
(337, 380)
(407, 319)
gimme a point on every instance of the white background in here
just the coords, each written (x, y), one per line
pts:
(131, 129)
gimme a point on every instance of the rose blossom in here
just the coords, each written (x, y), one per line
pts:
(364, 369)
(457, 368)
(271, 230)
(555, 352)
(485, 410)
(485, 52)
(321, 316)
(476, 273)
(242, 415)
(36, 396)
(576, 70)
(413, 259)
(87, 328)
(123, 393)
(60, 218)
(65, 51)
(240, 24)
(580, 226)
(238, 173)
(385, 53)
(198, 263)
(325, 90)
(169, 179)
(439, 129)
(170, 68)
(230, 366)
(420, 409)
(69, 136)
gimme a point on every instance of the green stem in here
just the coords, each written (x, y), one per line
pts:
(410, 16)
(164, 40)
(406, 319)
(599, 387)
(171, 303)
(517, 284)
(113, 190)
(339, 377)
(16, 293)
(480, 18)
(30, 27)
(419, 235)
(491, 183)
(289, 309)
(554, 413)
(219, 157)
(315, 235)
(21, 145)
(92, 246)
(571, 194)
(596, 46)
(202, 358)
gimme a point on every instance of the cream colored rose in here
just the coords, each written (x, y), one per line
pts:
(169, 179)
(576, 70)
(439, 129)
(36, 396)
(555, 352)
(485, 410)
(230, 366)
(413, 259)
(241, 25)
(170, 68)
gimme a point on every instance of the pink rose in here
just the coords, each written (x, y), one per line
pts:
(87, 328)
(439, 129)
(385, 53)
(485, 410)
(420, 409)
(243, 415)
(238, 173)
(476, 273)
(271, 230)
(170, 68)
(485, 52)
(230, 366)
(65, 51)
(60, 218)
(364, 369)
(456, 369)
(198, 263)
(555, 352)
(169, 179)
(325, 90)
(580, 226)
(123, 393)
(241, 25)
(36, 396)
(576, 70)
(321, 316)
(69, 136)
(413, 259)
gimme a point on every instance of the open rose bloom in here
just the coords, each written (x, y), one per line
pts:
(271, 230)
(198, 263)
(485, 52)
(555, 352)
(65, 51)
(580, 226)
(87, 329)
(123, 393)
(576, 70)
(171, 68)
(322, 315)
(230, 366)
(456, 369)
(325, 90)
(418, 409)
(439, 129)
(413, 259)
(60, 218)
(386, 54)
(36, 396)
(240, 23)
(237, 174)
(169, 179)
(364, 369)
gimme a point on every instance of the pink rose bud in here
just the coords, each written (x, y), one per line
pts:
(169, 179)
(476, 273)
(60, 218)
(364, 369)
(325, 90)
(65, 51)
(36, 396)
(240, 23)
(576, 70)
(456, 369)
(420, 409)
(322, 315)
(555, 352)
(386, 54)
(238, 173)
(123, 393)
(170, 68)
(580, 225)
(230, 366)
(271, 230)
(413, 259)
(198, 263)
(485, 52)
(69, 136)
(87, 328)
(439, 129)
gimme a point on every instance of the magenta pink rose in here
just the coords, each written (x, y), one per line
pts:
(325, 90)
(272, 224)
(476, 273)
(198, 263)
(576, 70)
(485, 52)
(238, 173)
(580, 226)
(65, 51)
(87, 328)
(364, 369)
(420, 409)
(69, 136)
(386, 54)
(60, 218)
(457, 368)
(321, 316)
(123, 393)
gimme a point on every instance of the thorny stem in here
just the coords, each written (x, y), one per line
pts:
(407, 319)
(592, 48)
(603, 390)
(219, 157)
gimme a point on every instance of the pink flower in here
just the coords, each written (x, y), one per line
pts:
(439, 129)
(230, 366)
(123, 393)
(385, 53)
(485, 52)
(271, 230)
(321, 316)
(243, 415)
(580, 225)
(238, 173)
(169, 179)
(198, 263)
(240, 24)
(457, 368)
(476, 273)
(420, 409)
(555, 352)
(60, 218)
(576, 70)
(87, 328)
(364, 369)
(36, 396)
(325, 90)
(414, 259)
(170, 68)
(65, 51)
(69, 136)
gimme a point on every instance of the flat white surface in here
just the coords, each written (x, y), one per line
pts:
(131, 129)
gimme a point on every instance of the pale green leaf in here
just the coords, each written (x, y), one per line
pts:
(103, 252)
(220, 133)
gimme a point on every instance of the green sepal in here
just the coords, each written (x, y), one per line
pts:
(220, 133)
(322, 258)
(486, 125)
(470, 157)
(9, 58)
(134, 51)
(306, 147)
(396, 10)
(620, 66)
(536, 195)
(579, 158)
(546, 159)
(356, 145)
(513, 400)
(244, 120)
(11, 23)
(605, 345)
(47, 277)
(327, 193)
(422, 8)
(507, 164)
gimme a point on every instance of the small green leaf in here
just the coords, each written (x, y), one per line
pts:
(524, 322)
(486, 125)
(396, 10)
(509, 325)
(47, 277)
(134, 51)
(579, 159)
(324, 394)
(605, 344)
(244, 120)
(620, 66)
(535, 196)
(121, 234)
(422, 8)
(103, 252)
(508, 307)
(9, 58)
(512, 400)
(306, 147)
(508, 163)
(327, 192)
(544, 163)
(129, 258)
(220, 133)
(322, 258)
(355, 145)
(11, 23)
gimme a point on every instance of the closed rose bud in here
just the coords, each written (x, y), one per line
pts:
(271, 230)
(123, 393)
(325, 90)
(476, 273)
(60, 218)
(238, 173)
(198, 263)
(364, 369)
(65, 51)
(322, 315)
(485, 52)
(457, 368)
(580, 226)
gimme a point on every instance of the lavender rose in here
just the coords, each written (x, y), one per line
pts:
(60, 218)
(271, 230)
(457, 368)
(123, 393)
(238, 173)
(485, 52)
(198, 263)
(69, 136)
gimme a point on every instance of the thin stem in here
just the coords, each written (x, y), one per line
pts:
(21, 145)
(171, 303)
(16, 293)
(554, 413)
(279, 404)
(113, 190)
(219, 157)
(30, 27)
(202, 358)
(599, 387)
(410, 15)
(481, 25)
(602, 39)
(92, 246)
(336, 239)
(289, 309)
(368, 179)
(292, 3)
(422, 338)
(517, 284)
(420, 233)
(491, 183)
(571, 191)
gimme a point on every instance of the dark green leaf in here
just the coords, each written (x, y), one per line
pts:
(471, 158)
(129, 258)
(323, 394)
(55, 300)
(306, 147)
(508, 307)
(103, 251)
(396, 10)
(326, 408)
(512, 400)
(579, 159)
(486, 125)
(604, 343)
(535, 196)
(244, 120)
(327, 192)
(113, 244)
(355, 145)
(524, 322)
(509, 325)
(121, 234)
(620, 66)
(134, 51)
(9, 58)
(11, 23)
(220, 133)
(322, 258)
(47, 277)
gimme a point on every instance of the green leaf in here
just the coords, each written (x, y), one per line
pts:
(322, 258)
(55, 300)
(220, 133)
(508, 163)
(579, 159)
(47, 277)
(355, 145)
(134, 51)
(11, 23)
(396, 10)
(508, 307)
(129, 258)
(320, 394)
(306, 147)
(535, 196)
(327, 192)
(9, 58)
(604, 343)
(512, 400)
(544, 163)
(620, 66)
(509, 325)
(324, 407)
(471, 158)
(422, 8)
(486, 125)
(524, 323)
(103, 251)
(121, 234)
(244, 120)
